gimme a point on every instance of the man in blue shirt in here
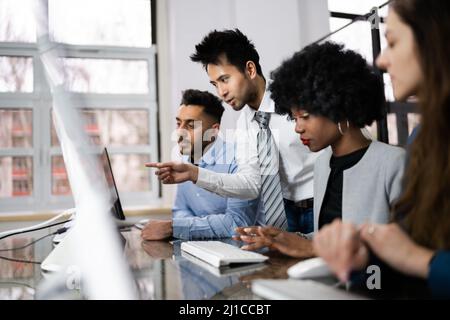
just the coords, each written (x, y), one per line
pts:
(197, 213)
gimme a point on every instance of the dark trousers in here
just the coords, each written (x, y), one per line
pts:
(299, 219)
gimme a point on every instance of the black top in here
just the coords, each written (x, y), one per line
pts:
(332, 202)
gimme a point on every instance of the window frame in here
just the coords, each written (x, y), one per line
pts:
(40, 103)
(399, 109)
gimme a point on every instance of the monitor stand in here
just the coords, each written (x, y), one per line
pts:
(62, 256)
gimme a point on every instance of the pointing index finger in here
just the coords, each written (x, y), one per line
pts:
(159, 165)
(152, 165)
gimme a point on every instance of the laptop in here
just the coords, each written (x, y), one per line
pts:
(116, 209)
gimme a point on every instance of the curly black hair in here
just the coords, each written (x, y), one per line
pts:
(232, 44)
(212, 106)
(326, 80)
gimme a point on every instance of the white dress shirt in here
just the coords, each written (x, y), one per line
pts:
(296, 162)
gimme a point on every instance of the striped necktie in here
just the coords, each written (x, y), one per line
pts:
(270, 179)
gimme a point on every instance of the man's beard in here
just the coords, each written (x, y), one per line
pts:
(249, 97)
(185, 151)
(184, 147)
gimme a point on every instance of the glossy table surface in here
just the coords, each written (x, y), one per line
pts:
(160, 269)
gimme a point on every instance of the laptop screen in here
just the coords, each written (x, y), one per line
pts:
(117, 206)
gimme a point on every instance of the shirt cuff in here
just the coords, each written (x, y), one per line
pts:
(203, 178)
(181, 228)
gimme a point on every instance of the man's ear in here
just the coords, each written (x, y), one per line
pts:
(216, 126)
(212, 133)
(250, 69)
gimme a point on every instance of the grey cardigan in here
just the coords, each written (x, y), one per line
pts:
(369, 188)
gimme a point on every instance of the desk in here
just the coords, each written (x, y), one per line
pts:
(160, 271)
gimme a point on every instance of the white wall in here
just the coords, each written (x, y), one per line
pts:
(278, 28)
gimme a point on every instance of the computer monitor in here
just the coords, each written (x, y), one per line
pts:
(116, 209)
(92, 245)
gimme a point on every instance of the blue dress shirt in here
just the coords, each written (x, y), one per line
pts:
(200, 214)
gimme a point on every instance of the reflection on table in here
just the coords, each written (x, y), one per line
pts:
(19, 266)
(160, 269)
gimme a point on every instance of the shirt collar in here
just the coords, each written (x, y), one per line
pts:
(267, 104)
(210, 156)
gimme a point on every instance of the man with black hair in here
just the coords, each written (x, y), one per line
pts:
(197, 213)
(272, 161)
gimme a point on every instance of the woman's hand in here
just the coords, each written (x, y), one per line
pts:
(286, 242)
(392, 245)
(252, 238)
(340, 245)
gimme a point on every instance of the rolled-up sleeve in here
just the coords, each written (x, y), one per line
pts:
(239, 213)
(182, 214)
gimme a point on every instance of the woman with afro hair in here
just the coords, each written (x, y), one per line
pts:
(332, 94)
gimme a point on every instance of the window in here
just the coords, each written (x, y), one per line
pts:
(358, 37)
(109, 66)
(356, 7)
